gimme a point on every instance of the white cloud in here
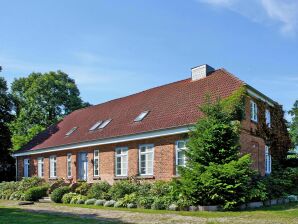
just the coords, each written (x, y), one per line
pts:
(282, 12)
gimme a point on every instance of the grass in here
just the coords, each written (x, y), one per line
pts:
(287, 211)
(287, 214)
(19, 216)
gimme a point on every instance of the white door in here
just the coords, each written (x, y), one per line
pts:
(26, 167)
(83, 166)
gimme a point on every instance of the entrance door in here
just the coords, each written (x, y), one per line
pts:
(83, 166)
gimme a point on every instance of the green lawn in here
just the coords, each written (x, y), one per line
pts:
(286, 214)
(282, 211)
(18, 216)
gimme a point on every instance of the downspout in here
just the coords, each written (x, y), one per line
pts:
(16, 168)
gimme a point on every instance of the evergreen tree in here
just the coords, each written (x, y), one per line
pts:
(215, 172)
(7, 170)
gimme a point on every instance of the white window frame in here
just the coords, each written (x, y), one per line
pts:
(69, 165)
(253, 111)
(268, 161)
(26, 167)
(53, 166)
(268, 117)
(179, 150)
(94, 159)
(40, 167)
(123, 155)
(146, 153)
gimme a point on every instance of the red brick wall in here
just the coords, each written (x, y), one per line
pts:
(164, 156)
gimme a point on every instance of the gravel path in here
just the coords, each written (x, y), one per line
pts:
(137, 217)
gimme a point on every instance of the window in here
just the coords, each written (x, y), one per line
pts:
(53, 167)
(69, 165)
(146, 157)
(104, 124)
(95, 126)
(96, 163)
(26, 167)
(141, 116)
(180, 154)
(121, 161)
(253, 111)
(268, 162)
(40, 167)
(268, 117)
(71, 131)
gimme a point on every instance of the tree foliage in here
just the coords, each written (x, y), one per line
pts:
(215, 173)
(41, 100)
(294, 124)
(6, 161)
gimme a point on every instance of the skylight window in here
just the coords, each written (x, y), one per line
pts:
(95, 126)
(71, 131)
(104, 124)
(141, 116)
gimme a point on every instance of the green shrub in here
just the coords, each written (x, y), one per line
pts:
(12, 186)
(145, 202)
(56, 184)
(58, 193)
(110, 203)
(121, 188)
(17, 195)
(35, 193)
(100, 202)
(67, 197)
(78, 198)
(129, 198)
(29, 182)
(160, 203)
(160, 188)
(90, 201)
(83, 188)
(118, 204)
(144, 189)
(131, 205)
(99, 190)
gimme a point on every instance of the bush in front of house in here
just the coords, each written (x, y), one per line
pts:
(66, 199)
(121, 188)
(78, 199)
(56, 184)
(145, 202)
(82, 188)
(90, 201)
(58, 193)
(29, 182)
(100, 202)
(99, 190)
(35, 193)
(17, 195)
(109, 203)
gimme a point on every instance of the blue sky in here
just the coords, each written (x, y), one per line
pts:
(115, 48)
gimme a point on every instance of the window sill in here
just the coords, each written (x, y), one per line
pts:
(146, 177)
(53, 178)
(96, 178)
(120, 178)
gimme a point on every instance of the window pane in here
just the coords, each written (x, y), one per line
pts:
(181, 144)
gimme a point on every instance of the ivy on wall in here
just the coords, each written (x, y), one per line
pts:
(276, 136)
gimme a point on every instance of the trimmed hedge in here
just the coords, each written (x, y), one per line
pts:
(58, 193)
(35, 193)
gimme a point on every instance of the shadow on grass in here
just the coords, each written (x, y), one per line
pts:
(28, 216)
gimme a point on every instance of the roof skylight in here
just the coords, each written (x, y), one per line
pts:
(104, 124)
(95, 126)
(141, 116)
(71, 131)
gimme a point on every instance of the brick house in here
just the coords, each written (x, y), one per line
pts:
(140, 135)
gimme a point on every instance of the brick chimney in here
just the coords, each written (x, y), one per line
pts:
(201, 71)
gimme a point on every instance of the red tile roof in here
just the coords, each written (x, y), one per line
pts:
(172, 105)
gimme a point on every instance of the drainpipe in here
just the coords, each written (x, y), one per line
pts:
(16, 168)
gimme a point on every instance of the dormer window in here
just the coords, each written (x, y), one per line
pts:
(104, 124)
(95, 126)
(141, 116)
(71, 131)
